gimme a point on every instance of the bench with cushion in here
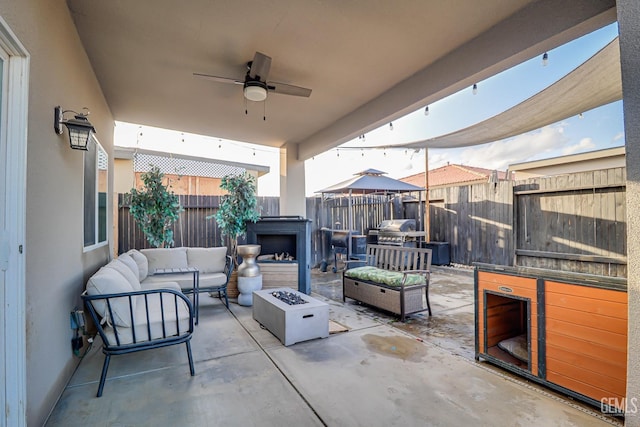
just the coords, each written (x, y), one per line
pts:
(394, 278)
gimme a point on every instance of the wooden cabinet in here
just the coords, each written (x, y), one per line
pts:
(573, 327)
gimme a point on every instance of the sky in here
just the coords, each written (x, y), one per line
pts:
(597, 129)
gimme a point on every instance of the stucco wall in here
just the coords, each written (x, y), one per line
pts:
(56, 267)
(567, 168)
(629, 28)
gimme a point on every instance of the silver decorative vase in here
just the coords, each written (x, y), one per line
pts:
(249, 277)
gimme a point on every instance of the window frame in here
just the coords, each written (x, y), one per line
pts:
(96, 179)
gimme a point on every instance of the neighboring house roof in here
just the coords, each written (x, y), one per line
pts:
(179, 164)
(454, 175)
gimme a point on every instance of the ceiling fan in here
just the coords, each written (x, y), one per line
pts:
(255, 84)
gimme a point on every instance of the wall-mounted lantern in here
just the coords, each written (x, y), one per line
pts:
(80, 129)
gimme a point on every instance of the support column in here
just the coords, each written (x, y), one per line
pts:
(293, 200)
(629, 29)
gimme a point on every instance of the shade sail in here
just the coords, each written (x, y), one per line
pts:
(371, 181)
(595, 83)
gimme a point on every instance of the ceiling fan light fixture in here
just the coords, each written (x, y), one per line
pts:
(255, 91)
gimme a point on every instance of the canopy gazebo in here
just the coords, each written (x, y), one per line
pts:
(369, 182)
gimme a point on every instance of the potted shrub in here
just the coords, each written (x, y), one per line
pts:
(237, 206)
(154, 208)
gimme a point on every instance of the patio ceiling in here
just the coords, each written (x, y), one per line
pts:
(367, 62)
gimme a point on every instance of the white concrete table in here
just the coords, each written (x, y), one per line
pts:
(291, 323)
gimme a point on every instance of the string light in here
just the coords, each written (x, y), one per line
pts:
(474, 90)
(580, 115)
(545, 59)
(426, 110)
(391, 126)
(362, 153)
(337, 153)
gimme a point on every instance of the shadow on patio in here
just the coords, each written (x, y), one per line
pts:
(380, 372)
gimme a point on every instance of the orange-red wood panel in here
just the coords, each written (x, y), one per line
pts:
(615, 325)
(586, 339)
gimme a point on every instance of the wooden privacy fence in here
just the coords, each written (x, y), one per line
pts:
(573, 222)
(193, 229)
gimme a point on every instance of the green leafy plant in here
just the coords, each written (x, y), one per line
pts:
(154, 208)
(237, 207)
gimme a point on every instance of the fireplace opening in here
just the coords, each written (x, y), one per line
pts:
(508, 329)
(273, 246)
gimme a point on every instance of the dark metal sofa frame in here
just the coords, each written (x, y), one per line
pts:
(145, 342)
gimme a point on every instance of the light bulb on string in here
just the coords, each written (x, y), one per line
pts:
(362, 153)
(474, 90)
(426, 110)
(545, 59)
(391, 126)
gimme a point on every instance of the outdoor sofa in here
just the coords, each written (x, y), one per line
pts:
(134, 309)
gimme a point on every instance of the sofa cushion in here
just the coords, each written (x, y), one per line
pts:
(207, 260)
(212, 280)
(128, 260)
(160, 285)
(121, 267)
(173, 326)
(386, 277)
(165, 258)
(109, 281)
(185, 280)
(143, 263)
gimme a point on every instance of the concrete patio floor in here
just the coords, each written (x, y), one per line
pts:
(379, 373)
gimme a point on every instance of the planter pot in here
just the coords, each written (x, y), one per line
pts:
(232, 286)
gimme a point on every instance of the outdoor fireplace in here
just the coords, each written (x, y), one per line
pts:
(284, 235)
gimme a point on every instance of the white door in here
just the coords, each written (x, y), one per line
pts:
(14, 75)
(4, 235)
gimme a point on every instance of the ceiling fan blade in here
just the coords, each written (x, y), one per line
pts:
(260, 66)
(219, 79)
(285, 89)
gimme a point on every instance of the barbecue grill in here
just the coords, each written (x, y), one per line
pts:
(339, 243)
(397, 232)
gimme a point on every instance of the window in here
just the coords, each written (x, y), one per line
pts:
(96, 165)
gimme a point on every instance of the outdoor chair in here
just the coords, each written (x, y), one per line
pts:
(140, 320)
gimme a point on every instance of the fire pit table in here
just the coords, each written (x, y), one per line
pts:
(291, 315)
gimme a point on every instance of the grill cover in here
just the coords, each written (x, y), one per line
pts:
(397, 225)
